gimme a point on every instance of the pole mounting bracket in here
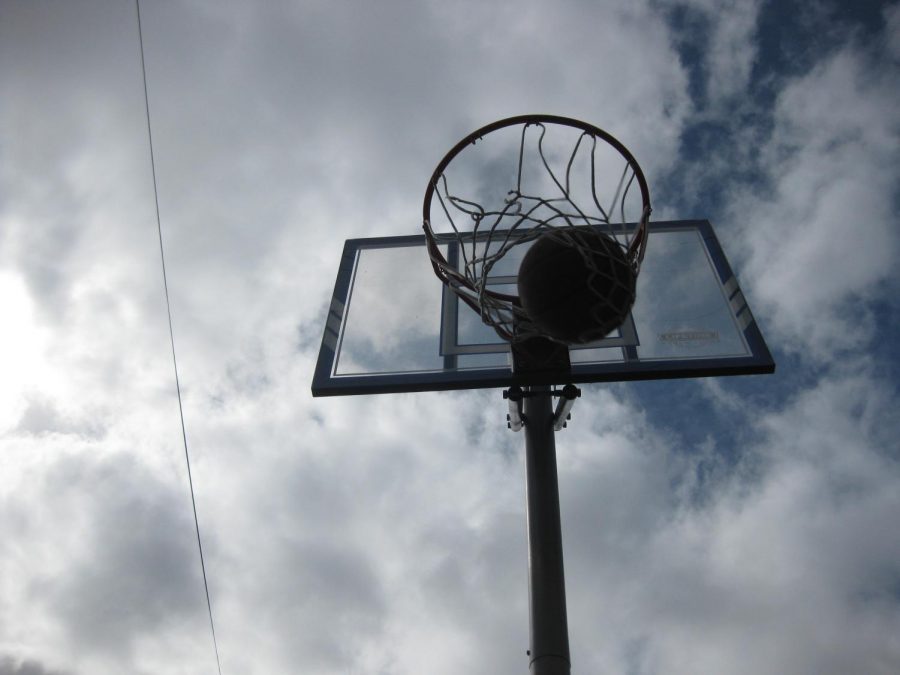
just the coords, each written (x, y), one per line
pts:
(515, 396)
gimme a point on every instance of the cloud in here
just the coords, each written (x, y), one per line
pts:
(10, 666)
(892, 18)
(348, 542)
(386, 534)
(717, 42)
(788, 563)
(106, 563)
(821, 243)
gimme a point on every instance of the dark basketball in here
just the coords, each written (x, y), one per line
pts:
(576, 286)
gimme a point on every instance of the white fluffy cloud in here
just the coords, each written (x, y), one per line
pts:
(823, 240)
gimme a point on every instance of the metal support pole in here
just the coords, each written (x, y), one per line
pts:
(549, 651)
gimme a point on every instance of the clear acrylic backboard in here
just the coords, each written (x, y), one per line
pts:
(393, 327)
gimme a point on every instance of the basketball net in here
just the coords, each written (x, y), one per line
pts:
(556, 169)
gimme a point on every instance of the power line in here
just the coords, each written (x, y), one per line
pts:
(162, 258)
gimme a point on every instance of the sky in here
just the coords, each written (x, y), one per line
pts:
(731, 526)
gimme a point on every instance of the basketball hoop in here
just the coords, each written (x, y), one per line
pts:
(537, 178)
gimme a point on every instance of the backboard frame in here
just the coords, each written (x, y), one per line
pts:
(327, 383)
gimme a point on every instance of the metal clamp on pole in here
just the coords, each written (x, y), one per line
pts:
(515, 395)
(515, 419)
(563, 413)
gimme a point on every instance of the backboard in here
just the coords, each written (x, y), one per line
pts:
(393, 327)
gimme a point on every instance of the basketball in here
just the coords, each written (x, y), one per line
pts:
(576, 285)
